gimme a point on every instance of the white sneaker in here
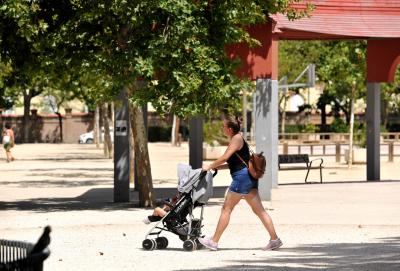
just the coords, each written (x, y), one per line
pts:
(208, 243)
(273, 244)
(146, 220)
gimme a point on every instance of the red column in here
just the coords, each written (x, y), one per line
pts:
(383, 56)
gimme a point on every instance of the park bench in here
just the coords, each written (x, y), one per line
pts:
(24, 256)
(301, 161)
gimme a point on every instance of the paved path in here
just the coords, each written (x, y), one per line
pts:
(343, 224)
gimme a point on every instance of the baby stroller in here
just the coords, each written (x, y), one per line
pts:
(195, 188)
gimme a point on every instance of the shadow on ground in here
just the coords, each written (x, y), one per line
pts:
(93, 199)
(382, 255)
(58, 183)
(64, 168)
(338, 182)
(65, 159)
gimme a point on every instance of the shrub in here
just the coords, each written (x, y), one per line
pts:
(309, 128)
(290, 128)
(360, 134)
(339, 126)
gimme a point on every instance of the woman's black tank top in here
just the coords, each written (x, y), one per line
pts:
(234, 161)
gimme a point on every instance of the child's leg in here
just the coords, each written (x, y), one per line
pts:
(159, 212)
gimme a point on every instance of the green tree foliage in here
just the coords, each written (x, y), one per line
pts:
(390, 97)
(176, 47)
(294, 56)
(344, 69)
(21, 52)
(340, 66)
(21, 45)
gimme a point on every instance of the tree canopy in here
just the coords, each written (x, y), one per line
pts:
(340, 66)
(176, 47)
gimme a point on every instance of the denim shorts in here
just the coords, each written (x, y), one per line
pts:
(242, 183)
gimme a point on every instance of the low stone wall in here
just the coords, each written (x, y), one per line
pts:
(46, 129)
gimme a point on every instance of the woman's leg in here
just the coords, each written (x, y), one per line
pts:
(231, 200)
(11, 156)
(8, 155)
(253, 199)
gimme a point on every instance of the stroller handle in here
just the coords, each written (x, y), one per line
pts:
(203, 173)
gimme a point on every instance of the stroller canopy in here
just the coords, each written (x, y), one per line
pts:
(192, 180)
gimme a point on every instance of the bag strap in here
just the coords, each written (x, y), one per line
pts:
(241, 159)
(248, 146)
(251, 152)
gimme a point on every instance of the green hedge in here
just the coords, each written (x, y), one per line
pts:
(300, 128)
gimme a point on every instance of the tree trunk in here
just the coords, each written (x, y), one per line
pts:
(283, 121)
(350, 159)
(28, 95)
(60, 125)
(323, 116)
(112, 112)
(346, 112)
(175, 131)
(96, 127)
(108, 148)
(27, 117)
(145, 182)
(131, 155)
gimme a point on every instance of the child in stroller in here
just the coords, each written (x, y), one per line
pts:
(195, 187)
(160, 212)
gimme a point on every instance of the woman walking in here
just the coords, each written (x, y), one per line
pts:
(243, 186)
(8, 141)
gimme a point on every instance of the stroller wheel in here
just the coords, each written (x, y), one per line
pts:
(198, 244)
(189, 245)
(162, 242)
(149, 244)
(183, 237)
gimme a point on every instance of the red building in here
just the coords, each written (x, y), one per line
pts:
(377, 21)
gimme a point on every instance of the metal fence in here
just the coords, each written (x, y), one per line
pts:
(333, 144)
(331, 137)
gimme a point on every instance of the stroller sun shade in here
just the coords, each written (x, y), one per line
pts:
(192, 180)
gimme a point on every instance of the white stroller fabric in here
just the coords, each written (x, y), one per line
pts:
(189, 180)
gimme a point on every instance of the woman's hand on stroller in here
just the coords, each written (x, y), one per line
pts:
(207, 168)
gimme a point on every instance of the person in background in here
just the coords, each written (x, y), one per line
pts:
(8, 141)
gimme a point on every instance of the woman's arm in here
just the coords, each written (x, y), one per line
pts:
(235, 144)
(223, 166)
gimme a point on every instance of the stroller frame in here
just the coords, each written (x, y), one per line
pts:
(188, 231)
